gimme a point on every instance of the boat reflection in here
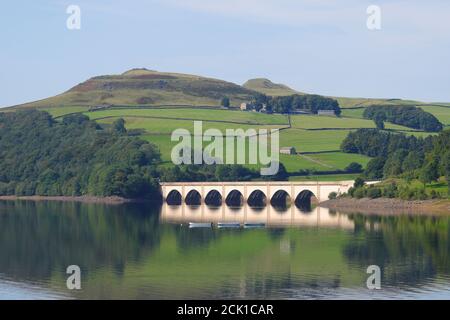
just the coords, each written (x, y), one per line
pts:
(268, 215)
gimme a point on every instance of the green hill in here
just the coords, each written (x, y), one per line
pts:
(156, 103)
(269, 88)
(142, 87)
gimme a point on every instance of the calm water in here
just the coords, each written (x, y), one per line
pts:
(137, 251)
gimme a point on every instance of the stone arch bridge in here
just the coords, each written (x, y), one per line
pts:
(197, 193)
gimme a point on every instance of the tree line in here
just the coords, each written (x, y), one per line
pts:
(311, 103)
(397, 155)
(409, 116)
(76, 156)
(308, 102)
(73, 157)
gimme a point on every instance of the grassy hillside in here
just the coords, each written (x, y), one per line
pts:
(441, 112)
(157, 103)
(317, 139)
(269, 88)
(365, 102)
(142, 87)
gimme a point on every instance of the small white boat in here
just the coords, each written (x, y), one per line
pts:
(254, 225)
(229, 225)
(200, 225)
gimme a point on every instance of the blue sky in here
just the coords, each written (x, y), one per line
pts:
(316, 46)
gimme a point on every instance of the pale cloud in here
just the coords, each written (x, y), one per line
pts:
(317, 46)
(424, 17)
(286, 12)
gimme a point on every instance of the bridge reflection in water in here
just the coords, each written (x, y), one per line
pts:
(269, 215)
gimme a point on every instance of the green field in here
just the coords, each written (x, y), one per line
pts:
(322, 122)
(316, 139)
(353, 113)
(313, 141)
(197, 114)
(293, 163)
(162, 126)
(345, 102)
(340, 160)
(442, 113)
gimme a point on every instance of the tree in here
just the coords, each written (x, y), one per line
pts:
(412, 161)
(379, 119)
(41, 156)
(374, 169)
(393, 164)
(429, 173)
(390, 191)
(354, 167)
(332, 195)
(447, 169)
(225, 102)
(119, 126)
(374, 193)
(281, 175)
(359, 182)
(359, 193)
(308, 102)
(409, 116)
(76, 118)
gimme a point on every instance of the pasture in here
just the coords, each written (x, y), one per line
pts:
(313, 122)
(317, 139)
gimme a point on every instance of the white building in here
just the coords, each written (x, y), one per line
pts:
(326, 113)
(288, 150)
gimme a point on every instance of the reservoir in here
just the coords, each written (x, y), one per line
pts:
(145, 251)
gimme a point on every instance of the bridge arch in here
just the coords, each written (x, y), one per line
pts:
(173, 191)
(305, 199)
(213, 198)
(174, 198)
(193, 198)
(280, 198)
(234, 198)
(257, 199)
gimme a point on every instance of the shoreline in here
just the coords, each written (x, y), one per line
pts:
(82, 199)
(379, 206)
(388, 206)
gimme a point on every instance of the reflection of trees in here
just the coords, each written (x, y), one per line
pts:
(407, 248)
(37, 238)
(194, 238)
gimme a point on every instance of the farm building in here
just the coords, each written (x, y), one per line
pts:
(288, 150)
(326, 113)
(244, 106)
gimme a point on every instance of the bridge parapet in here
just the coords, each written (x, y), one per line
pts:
(320, 190)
